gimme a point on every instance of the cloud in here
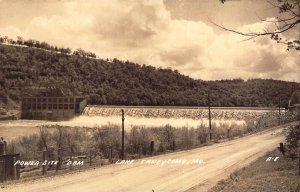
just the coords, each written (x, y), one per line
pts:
(144, 32)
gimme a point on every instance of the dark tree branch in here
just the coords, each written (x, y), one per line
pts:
(256, 34)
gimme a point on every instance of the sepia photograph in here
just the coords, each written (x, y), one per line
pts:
(150, 95)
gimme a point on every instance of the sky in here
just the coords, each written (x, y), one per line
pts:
(175, 34)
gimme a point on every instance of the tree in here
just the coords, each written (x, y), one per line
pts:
(20, 40)
(293, 137)
(289, 20)
(59, 137)
(80, 52)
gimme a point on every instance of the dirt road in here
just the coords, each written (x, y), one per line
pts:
(219, 161)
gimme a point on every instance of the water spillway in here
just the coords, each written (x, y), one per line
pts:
(150, 116)
(195, 113)
(98, 116)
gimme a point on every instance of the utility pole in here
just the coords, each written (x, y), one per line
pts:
(209, 118)
(123, 136)
(298, 189)
(279, 112)
(299, 162)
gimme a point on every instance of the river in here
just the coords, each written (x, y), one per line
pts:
(97, 116)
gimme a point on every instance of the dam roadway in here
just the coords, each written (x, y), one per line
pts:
(219, 161)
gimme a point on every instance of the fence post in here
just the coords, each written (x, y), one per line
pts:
(299, 161)
(209, 118)
(140, 150)
(14, 168)
(5, 147)
(71, 160)
(44, 159)
(58, 166)
(298, 188)
(2, 146)
(151, 147)
(174, 146)
(2, 171)
(110, 154)
(281, 149)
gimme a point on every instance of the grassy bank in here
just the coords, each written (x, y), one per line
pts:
(262, 176)
(103, 143)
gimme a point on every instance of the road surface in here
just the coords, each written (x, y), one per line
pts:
(219, 161)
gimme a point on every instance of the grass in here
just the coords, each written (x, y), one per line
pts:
(262, 176)
(96, 143)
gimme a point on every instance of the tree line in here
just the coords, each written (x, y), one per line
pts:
(44, 45)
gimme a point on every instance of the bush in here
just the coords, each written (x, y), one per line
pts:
(293, 137)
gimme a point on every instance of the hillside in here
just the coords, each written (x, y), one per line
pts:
(125, 83)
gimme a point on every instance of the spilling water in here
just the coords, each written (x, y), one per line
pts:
(97, 116)
(174, 116)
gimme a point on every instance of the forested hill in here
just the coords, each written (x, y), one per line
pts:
(125, 83)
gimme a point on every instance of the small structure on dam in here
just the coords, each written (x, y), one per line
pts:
(51, 104)
(294, 102)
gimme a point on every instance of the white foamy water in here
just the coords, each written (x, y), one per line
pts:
(98, 121)
(195, 113)
(97, 116)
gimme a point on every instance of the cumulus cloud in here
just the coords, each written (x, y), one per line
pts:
(144, 32)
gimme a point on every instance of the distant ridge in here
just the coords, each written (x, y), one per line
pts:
(118, 82)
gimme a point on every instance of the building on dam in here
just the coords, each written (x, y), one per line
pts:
(51, 104)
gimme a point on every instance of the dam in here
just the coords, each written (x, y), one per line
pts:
(153, 116)
(196, 113)
(99, 116)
